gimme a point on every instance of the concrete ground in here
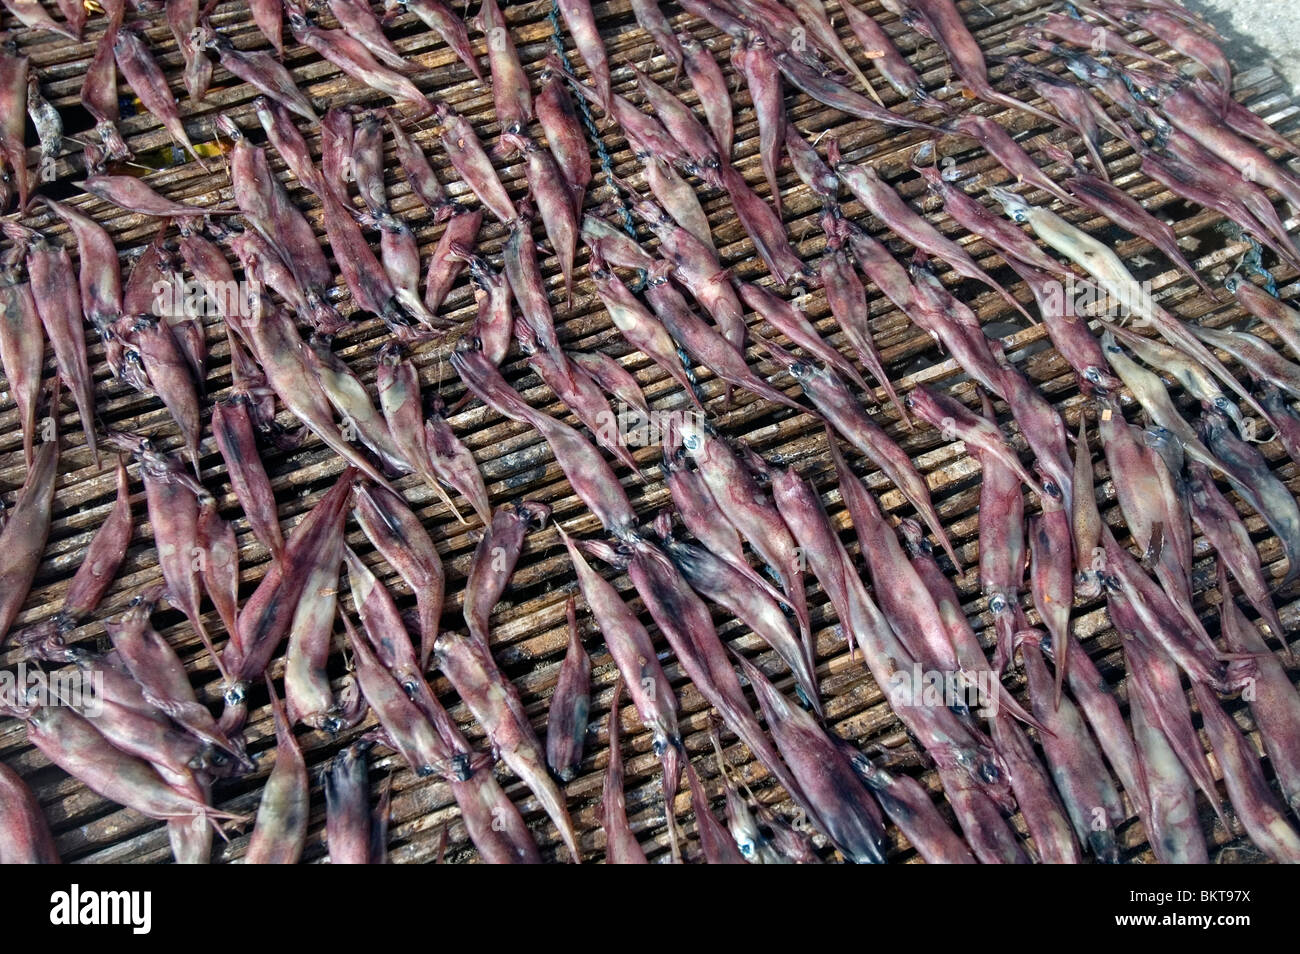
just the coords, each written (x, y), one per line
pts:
(1257, 31)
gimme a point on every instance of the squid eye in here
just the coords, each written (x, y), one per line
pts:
(1018, 216)
(691, 443)
(1221, 403)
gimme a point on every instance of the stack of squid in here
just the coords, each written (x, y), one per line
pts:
(742, 535)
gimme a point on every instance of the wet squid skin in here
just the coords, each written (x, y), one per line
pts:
(1223, 527)
(146, 79)
(621, 846)
(76, 746)
(1155, 676)
(308, 695)
(280, 829)
(59, 307)
(710, 86)
(22, 351)
(259, 68)
(701, 341)
(103, 556)
(421, 731)
(634, 654)
(566, 718)
(232, 426)
(173, 499)
(579, 393)
(1275, 707)
(1257, 809)
(720, 583)
(1081, 777)
(843, 806)
(564, 134)
(25, 837)
(495, 559)
(22, 541)
(348, 819)
(397, 533)
(496, 705)
(716, 844)
(352, 56)
(154, 665)
(268, 614)
(590, 476)
(446, 263)
(678, 197)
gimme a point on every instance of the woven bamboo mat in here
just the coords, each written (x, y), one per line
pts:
(528, 634)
